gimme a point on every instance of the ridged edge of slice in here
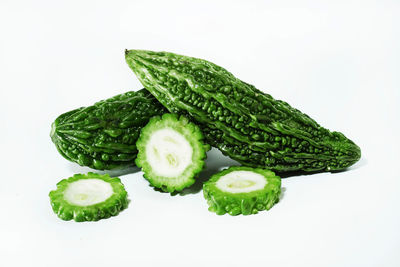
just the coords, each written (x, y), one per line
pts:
(192, 133)
(117, 202)
(247, 203)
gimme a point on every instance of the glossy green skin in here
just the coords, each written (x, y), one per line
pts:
(110, 207)
(191, 133)
(222, 202)
(244, 123)
(103, 136)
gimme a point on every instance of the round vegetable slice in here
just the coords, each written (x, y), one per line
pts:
(171, 152)
(88, 197)
(242, 190)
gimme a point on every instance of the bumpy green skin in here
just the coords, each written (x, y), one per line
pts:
(103, 136)
(222, 202)
(191, 133)
(103, 210)
(240, 120)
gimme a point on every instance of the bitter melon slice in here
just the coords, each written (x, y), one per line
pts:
(242, 190)
(171, 152)
(88, 197)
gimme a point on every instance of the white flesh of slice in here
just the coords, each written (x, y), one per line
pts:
(168, 153)
(88, 192)
(241, 182)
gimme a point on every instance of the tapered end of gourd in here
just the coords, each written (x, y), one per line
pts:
(132, 55)
(132, 58)
(135, 52)
(137, 58)
(346, 152)
(53, 130)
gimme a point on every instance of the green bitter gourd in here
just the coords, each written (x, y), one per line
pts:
(171, 152)
(103, 136)
(89, 197)
(242, 190)
(243, 122)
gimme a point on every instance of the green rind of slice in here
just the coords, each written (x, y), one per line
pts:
(111, 206)
(191, 133)
(245, 203)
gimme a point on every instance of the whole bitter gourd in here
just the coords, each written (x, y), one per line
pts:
(243, 122)
(242, 190)
(103, 136)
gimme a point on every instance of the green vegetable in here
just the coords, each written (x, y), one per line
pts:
(243, 122)
(89, 197)
(171, 152)
(242, 190)
(103, 136)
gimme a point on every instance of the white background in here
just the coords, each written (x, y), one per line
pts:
(337, 61)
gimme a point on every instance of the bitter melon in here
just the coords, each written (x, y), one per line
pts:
(89, 197)
(103, 136)
(242, 190)
(243, 122)
(171, 152)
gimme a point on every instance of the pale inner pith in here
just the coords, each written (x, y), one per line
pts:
(88, 192)
(241, 182)
(168, 153)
